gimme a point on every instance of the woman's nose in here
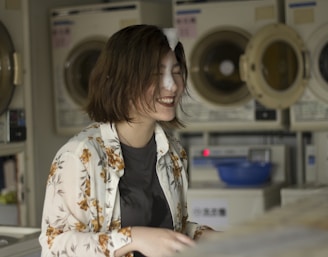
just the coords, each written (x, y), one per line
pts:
(169, 82)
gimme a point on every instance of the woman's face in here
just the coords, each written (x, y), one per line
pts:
(171, 90)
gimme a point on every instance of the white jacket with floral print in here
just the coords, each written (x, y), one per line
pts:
(81, 215)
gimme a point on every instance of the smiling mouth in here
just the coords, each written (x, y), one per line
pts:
(166, 100)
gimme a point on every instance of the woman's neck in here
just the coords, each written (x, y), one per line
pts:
(135, 134)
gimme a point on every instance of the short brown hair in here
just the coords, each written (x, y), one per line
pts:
(124, 71)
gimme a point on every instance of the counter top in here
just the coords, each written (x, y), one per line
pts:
(19, 241)
(295, 230)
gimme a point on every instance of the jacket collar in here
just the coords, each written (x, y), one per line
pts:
(110, 137)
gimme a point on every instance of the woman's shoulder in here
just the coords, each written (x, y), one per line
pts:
(91, 137)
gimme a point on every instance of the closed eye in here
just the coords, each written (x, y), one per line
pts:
(177, 72)
(173, 72)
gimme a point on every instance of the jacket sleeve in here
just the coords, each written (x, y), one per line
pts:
(192, 229)
(73, 214)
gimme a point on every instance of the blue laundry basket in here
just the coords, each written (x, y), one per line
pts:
(244, 173)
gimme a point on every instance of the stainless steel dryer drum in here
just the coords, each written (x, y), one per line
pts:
(78, 34)
(215, 35)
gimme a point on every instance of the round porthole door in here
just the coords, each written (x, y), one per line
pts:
(9, 68)
(275, 66)
(78, 67)
(318, 47)
(214, 67)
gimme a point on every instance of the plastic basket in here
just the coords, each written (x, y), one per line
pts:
(244, 173)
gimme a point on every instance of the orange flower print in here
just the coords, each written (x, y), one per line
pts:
(177, 172)
(85, 156)
(100, 141)
(200, 230)
(103, 242)
(95, 203)
(198, 234)
(52, 233)
(83, 204)
(115, 224)
(183, 154)
(184, 222)
(79, 226)
(176, 168)
(103, 175)
(96, 223)
(87, 187)
(114, 160)
(53, 169)
(125, 231)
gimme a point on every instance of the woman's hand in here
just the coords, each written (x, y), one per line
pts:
(156, 242)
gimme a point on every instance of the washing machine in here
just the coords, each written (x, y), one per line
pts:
(310, 20)
(11, 56)
(221, 206)
(298, 61)
(299, 193)
(78, 35)
(215, 35)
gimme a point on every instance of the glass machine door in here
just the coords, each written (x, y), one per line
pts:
(275, 66)
(214, 68)
(78, 67)
(8, 69)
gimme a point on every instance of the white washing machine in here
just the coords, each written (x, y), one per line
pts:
(215, 35)
(275, 66)
(212, 202)
(297, 193)
(12, 50)
(310, 20)
(224, 207)
(316, 159)
(78, 35)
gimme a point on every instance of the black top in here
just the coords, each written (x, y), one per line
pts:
(143, 202)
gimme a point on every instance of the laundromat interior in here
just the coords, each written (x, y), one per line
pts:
(258, 91)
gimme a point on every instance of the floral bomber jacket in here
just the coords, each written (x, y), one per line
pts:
(81, 215)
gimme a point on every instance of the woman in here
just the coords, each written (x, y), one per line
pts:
(118, 188)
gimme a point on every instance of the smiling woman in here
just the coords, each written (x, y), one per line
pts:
(119, 187)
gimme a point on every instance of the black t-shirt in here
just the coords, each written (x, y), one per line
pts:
(143, 202)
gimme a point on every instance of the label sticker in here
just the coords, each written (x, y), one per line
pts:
(61, 34)
(212, 212)
(186, 25)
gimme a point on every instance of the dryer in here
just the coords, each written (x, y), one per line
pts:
(215, 35)
(11, 56)
(78, 34)
(309, 19)
(14, 70)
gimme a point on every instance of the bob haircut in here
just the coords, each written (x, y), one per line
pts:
(127, 66)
